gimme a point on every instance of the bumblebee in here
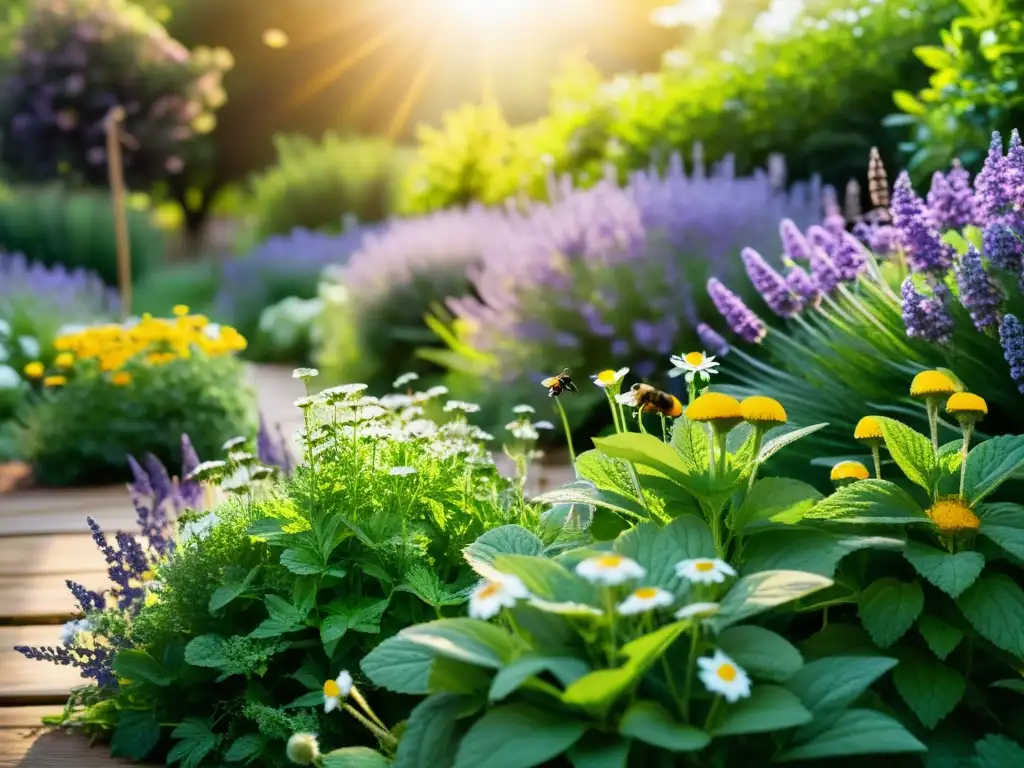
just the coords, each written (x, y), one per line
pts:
(650, 400)
(558, 384)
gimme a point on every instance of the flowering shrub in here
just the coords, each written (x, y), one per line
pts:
(78, 59)
(116, 389)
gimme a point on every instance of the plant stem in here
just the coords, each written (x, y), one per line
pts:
(691, 665)
(615, 411)
(876, 455)
(968, 429)
(933, 423)
(568, 433)
(758, 437)
(357, 697)
(712, 712)
(723, 452)
(381, 733)
(711, 453)
(664, 430)
(609, 603)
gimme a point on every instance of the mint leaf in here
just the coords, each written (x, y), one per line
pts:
(995, 608)
(941, 637)
(651, 723)
(429, 737)
(769, 708)
(139, 665)
(761, 652)
(877, 502)
(990, 464)
(952, 573)
(835, 682)
(517, 736)
(848, 733)
(1003, 524)
(930, 688)
(763, 591)
(658, 548)
(911, 451)
(774, 500)
(888, 608)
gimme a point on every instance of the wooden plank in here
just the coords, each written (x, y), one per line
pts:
(28, 680)
(44, 598)
(111, 518)
(63, 499)
(26, 717)
(35, 748)
(60, 554)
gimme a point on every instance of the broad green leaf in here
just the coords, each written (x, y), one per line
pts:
(604, 472)
(230, 590)
(424, 582)
(363, 615)
(761, 652)
(763, 591)
(834, 682)
(600, 751)
(933, 57)
(245, 748)
(837, 639)
(139, 665)
(566, 670)
(911, 451)
(400, 665)
(995, 608)
(467, 640)
(649, 722)
(206, 651)
(517, 736)
(690, 439)
(769, 708)
(930, 688)
(450, 676)
(659, 548)
(284, 618)
(777, 442)
(310, 699)
(647, 450)
(302, 561)
(429, 737)
(355, 757)
(196, 742)
(135, 735)
(774, 500)
(806, 549)
(997, 751)
(888, 608)
(907, 102)
(1015, 685)
(878, 502)
(941, 637)
(504, 540)
(849, 733)
(546, 578)
(597, 692)
(273, 529)
(952, 573)
(990, 464)
(583, 492)
(1003, 524)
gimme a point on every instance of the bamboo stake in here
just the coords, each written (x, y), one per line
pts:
(115, 170)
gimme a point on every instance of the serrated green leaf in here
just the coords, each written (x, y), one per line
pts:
(584, 493)
(994, 606)
(952, 573)
(245, 748)
(911, 451)
(651, 723)
(761, 652)
(566, 669)
(990, 464)
(429, 737)
(997, 751)
(1002, 523)
(833, 683)
(600, 751)
(207, 651)
(806, 549)
(774, 500)
(466, 640)
(888, 608)
(769, 708)
(196, 742)
(877, 502)
(646, 450)
(139, 665)
(930, 688)
(776, 442)
(517, 736)
(400, 666)
(135, 735)
(302, 561)
(849, 733)
(659, 548)
(231, 590)
(310, 699)
(1016, 685)
(941, 637)
(763, 591)
(604, 472)
(690, 440)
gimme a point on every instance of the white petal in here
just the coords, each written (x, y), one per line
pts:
(330, 703)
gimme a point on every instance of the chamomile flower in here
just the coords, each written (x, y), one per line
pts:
(489, 597)
(692, 365)
(522, 430)
(460, 405)
(543, 425)
(402, 471)
(721, 675)
(697, 609)
(704, 570)
(520, 410)
(336, 690)
(610, 379)
(610, 569)
(645, 599)
(305, 373)
(404, 379)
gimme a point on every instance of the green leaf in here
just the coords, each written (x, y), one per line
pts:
(311, 699)
(467, 640)
(429, 737)
(598, 691)
(284, 618)
(769, 708)
(763, 591)
(911, 451)
(775, 444)
(355, 757)
(1016, 685)
(231, 590)
(853, 732)
(774, 500)
(583, 492)
(136, 734)
(362, 615)
(834, 682)
(504, 540)
(941, 637)
(545, 578)
(990, 464)
(566, 669)
(930, 688)
(605, 472)
(877, 502)
(400, 666)
(196, 742)
(139, 665)
(517, 736)
(761, 652)
(934, 57)
(1003, 524)
(690, 439)
(888, 608)
(245, 748)
(905, 101)
(806, 549)
(302, 562)
(649, 722)
(658, 548)
(995, 608)
(428, 587)
(997, 751)
(952, 573)
(647, 450)
(600, 751)
(207, 651)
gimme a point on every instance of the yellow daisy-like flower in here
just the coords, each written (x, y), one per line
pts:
(64, 360)
(868, 429)
(609, 379)
(763, 411)
(931, 384)
(121, 379)
(715, 407)
(953, 514)
(35, 369)
(965, 404)
(849, 470)
(54, 381)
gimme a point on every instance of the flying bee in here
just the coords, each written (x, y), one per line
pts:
(558, 384)
(647, 399)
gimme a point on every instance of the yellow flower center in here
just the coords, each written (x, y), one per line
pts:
(704, 566)
(694, 358)
(646, 593)
(607, 377)
(331, 689)
(931, 384)
(953, 514)
(714, 406)
(65, 360)
(966, 403)
(726, 672)
(850, 470)
(609, 561)
(763, 410)
(489, 589)
(868, 428)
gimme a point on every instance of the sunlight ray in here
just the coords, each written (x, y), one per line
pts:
(373, 87)
(412, 95)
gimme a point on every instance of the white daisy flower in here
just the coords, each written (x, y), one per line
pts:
(609, 379)
(723, 676)
(395, 401)
(199, 529)
(697, 609)
(305, 373)
(489, 597)
(438, 391)
(336, 690)
(610, 569)
(543, 425)
(410, 413)
(564, 608)
(523, 409)
(405, 378)
(645, 599)
(704, 571)
(522, 430)
(460, 405)
(694, 364)
(402, 471)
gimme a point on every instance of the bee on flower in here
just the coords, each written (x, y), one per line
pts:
(693, 365)
(490, 596)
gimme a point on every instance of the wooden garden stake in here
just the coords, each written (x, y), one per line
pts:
(115, 170)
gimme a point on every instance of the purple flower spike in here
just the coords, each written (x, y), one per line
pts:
(991, 184)
(824, 272)
(712, 340)
(951, 200)
(770, 284)
(793, 241)
(140, 484)
(978, 292)
(915, 233)
(850, 258)
(1011, 337)
(744, 323)
(801, 284)
(1002, 247)
(819, 237)
(924, 317)
(190, 492)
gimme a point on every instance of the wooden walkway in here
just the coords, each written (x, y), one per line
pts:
(43, 541)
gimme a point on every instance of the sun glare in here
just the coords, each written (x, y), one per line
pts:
(484, 12)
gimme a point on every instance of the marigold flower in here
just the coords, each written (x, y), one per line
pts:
(64, 360)
(35, 369)
(180, 310)
(849, 470)
(715, 407)
(868, 429)
(931, 384)
(54, 381)
(953, 514)
(121, 378)
(966, 404)
(763, 411)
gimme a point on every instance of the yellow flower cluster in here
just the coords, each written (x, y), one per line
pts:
(725, 411)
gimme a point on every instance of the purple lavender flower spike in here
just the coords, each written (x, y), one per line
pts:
(794, 243)
(86, 598)
(849, 257)
(916, 235)
(712, 340)
(801, 284)
(159, 479)
(744, 323)
(978, 291)
(1011, 337)
(824, 272)
(951, 200)
(1002, 247)
(924, 317)
(190, 493)
(991, 184)
(770, 284)
(140, 485)
(819, 237)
